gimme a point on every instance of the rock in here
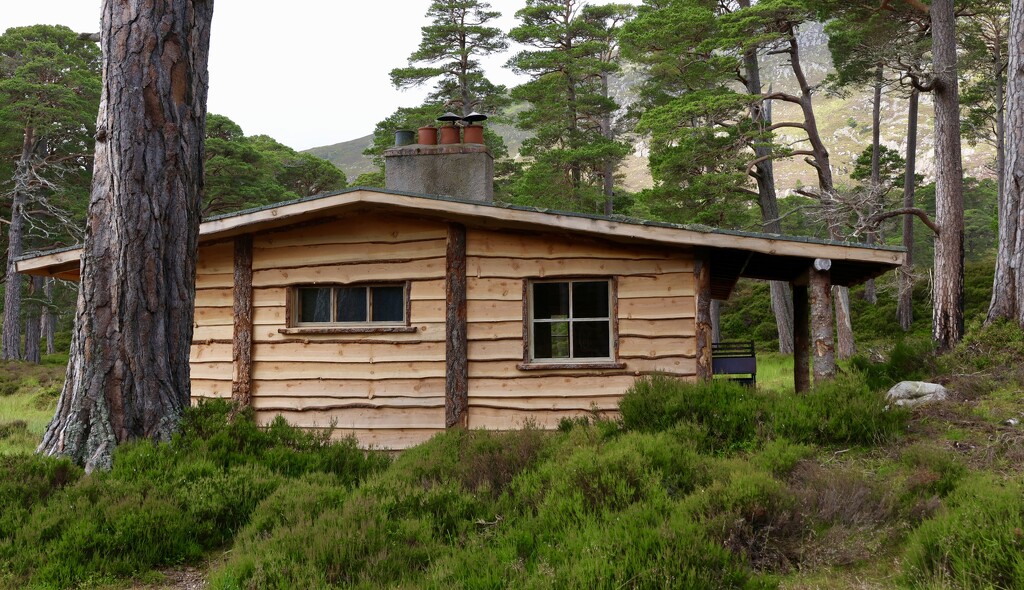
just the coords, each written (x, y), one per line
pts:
(915, 393)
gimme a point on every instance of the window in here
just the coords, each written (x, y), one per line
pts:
(570, 320)
(352, 305)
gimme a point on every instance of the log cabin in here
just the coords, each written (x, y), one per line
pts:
(393, 314)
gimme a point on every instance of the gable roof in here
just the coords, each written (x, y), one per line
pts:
(733, 254)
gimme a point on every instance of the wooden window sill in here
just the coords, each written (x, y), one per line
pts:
(349, 330)
(559, 366)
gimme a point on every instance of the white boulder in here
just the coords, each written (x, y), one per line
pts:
(915, 393)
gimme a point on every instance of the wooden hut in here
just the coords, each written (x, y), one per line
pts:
(395, 315)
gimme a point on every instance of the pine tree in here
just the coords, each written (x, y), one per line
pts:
(566, 63)
(449, 53)
(49, 94)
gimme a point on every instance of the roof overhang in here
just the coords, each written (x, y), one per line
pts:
(733, 254)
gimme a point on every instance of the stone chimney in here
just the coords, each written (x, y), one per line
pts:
(459, 170)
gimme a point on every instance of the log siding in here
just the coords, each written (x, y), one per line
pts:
(385, 385)
(653, 319)
(397, 388)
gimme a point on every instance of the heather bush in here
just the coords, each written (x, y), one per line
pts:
(976, 542)
(726, 416)
(160, 504)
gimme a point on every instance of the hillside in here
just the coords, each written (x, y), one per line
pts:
(844, 122)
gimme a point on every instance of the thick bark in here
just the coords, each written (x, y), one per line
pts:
(822, 165)
(702, 279)
(822, 350)
(948, 293)
(1013, 187)
(870, 293)
(767, 200)
(242, 306)
(456, 399)
(10, 349)
(801, 339)
(905, 304)
(128, 373)
(32, 320)
(1006, 289)
(49, 320)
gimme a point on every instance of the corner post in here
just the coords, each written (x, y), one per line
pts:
(702, 282)
(456, 399)
(822, 320)
(241, 342)
(801, 338)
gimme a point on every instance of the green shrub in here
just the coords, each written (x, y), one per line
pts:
(780, 456)
(911, 359)
(161, 503)
(730, 416)
(28, 480)
(13, 428)
(844, 410)
(978, 542)
(934, 471)
(729, 413)
(99, 528)
(749, 512)
(985, 347)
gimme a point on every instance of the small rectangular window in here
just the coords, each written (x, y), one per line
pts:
(570, 320)
(352, 305)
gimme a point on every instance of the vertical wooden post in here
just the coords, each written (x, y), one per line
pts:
(456, 401)
(822, 321)
(702, 282)
(241, 342)
(801, 339)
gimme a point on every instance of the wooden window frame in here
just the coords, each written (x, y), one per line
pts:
(530, 362)
(295, 326)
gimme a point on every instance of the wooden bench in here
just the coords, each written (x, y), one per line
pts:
(736, 359)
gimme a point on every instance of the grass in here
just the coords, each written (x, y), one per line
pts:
(774, 371)
(28, 395)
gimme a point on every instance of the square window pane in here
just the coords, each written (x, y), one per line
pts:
(551, 340)
(388, 304)
(590, 340)
(590, 299)
(550, 301)
(314, 305)
(351, 304)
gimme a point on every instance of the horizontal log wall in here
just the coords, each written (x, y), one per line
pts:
(656, 318)
(211, 365)
(387, 388)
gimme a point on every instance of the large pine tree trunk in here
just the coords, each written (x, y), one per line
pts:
(10, 348)
(33, 320)
(128, 374)
(1013, 187)
(767, 200)
(905, 303)
(1006, 290)
(948, 289)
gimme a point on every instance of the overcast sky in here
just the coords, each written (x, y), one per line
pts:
(305, 72)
